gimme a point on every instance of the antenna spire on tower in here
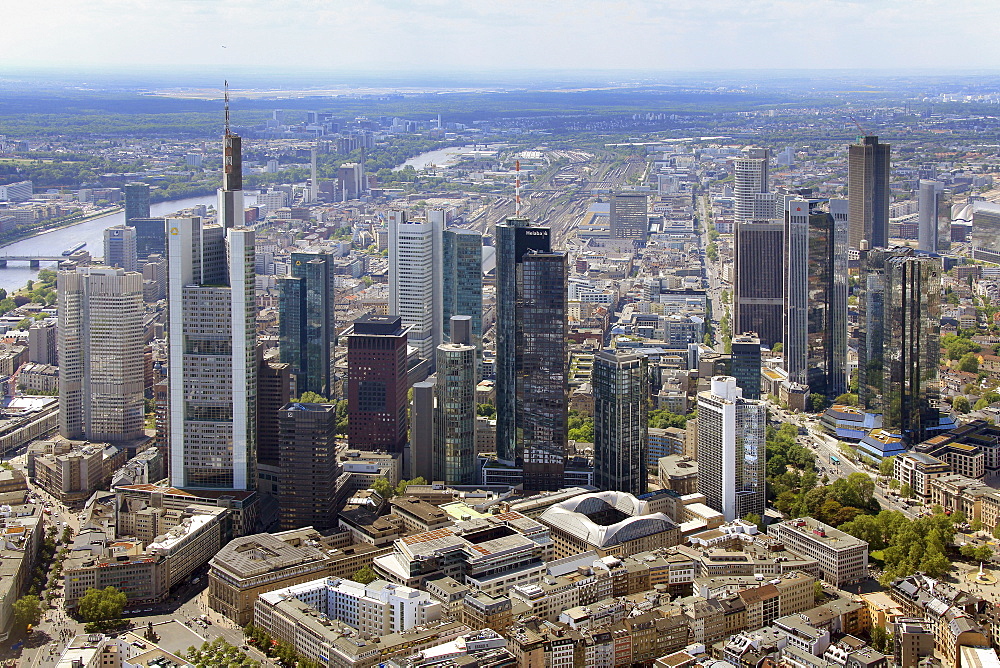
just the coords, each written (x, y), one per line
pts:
(227, 107)
(517, 188)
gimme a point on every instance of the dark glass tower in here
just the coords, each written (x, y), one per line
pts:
(621, 398)
(815, 271)
(900, 339)
(758, 297)
(308, 453)
(462, 275)
(136, 201)
(531, 354)
(306, 328)
(745, 364)
(868, 193)
(150, 237)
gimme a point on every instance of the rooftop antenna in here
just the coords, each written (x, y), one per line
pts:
(517, 188)
(227, 106)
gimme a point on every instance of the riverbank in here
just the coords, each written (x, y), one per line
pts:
(27, 233)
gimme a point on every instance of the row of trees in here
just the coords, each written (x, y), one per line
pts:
(221, 653)
(284, 653)
(906, 545)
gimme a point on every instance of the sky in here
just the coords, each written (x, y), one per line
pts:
(395, 36)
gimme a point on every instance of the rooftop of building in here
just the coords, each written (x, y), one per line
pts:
(603, 519)
(818, 531)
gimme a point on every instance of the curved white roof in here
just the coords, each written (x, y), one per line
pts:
(571, 516)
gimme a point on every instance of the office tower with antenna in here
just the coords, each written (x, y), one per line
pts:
(231, 194)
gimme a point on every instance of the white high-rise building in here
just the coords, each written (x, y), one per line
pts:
(120, 248)
(101, 345)
(731, 449)
(213, 372)
(750, 180)
(415, 259)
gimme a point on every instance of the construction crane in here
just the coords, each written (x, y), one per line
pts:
(864, 133)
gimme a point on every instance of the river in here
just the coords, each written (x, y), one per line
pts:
(439, 157)
(16, 274)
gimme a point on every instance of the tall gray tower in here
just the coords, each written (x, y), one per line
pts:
(621, 401)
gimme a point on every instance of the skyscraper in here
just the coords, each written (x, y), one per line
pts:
(415, 280)
(731, 450)
(101, 346)
(308, 452)
(213, 370)
(306, 326)
(532, 363)
(899, 346)
(462, 279)
(455, 414)
(929, 235)
(757, 295)
(273, 392)
(750, 181)
(629, 218)
(868, 193)
(150, 237)
(120, 248)
(758, 298)
(745, 364)
(621, 399)
(377, 383)
(136, 201)
(815, 270)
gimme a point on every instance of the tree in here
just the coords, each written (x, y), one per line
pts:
(27, 610)
(905, 490)
(847, 399)
(403, 484)
(960, 404)
(312, 398)
(996, 531)
(383, 488)
(754, 518)
(818, 593)
(486, 410)
(101, 605)
(969, 363)
(885, 466)
(777, 348)
(817, 403)
(364, 575)
(976, 525)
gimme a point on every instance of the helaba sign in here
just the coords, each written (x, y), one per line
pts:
(537, 233)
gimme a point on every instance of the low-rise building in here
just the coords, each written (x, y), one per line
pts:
(678, 473)
(917, 469)
(609, 523)
(842, 558)
(21, 535)
(73, 470)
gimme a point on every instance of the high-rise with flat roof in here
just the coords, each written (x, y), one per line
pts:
(455, 413)
(750, 182)
(868, 193)
(815, 270)
(101, 346)
(212, 328)
(462, 280)
(150, 237)
(415, 263)
(731, 450)
(899, 339)
(532, 363)
(306, 326)
(136, 201)
(120, 248)
(377, 383)
(929, 235)
(621, 401)
(744, 364)
(629, 218)
(308, 453)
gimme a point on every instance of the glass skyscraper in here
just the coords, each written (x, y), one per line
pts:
(621, 401)
(455, 414)
(136, 201)
(868, 193)
(815, 272)
(745, 365)
(462, 284)
(306, 327)
(899, 343)
(532, 361)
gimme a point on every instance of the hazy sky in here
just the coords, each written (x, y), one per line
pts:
(462, 35)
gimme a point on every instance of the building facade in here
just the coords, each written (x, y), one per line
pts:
(455, 413)
(415, 280)
(621, 401)
(628, 216)
(868, 193)
(212, 348)
(101, 342)
(308, 456)
(815, 268)
(731, 450)
(120, 248)
(377, 383)
(462, 280)
(306, 325)
(136, 201)
(744, 364)
(532, 363)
